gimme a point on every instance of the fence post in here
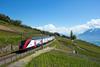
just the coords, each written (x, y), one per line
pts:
(11, 48)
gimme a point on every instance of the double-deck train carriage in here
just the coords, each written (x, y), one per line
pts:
(50, 38)
(39, 41)
(35, 42)
(45, 40)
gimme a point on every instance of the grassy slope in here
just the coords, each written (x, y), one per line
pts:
(81, 47)
(60, 59)
(63, 59)
(88, 49)
(62, 44)
(11, 35)
(7, 37)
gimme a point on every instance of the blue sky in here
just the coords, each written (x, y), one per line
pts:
(63, 13)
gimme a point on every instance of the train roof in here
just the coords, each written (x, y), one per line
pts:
(34, 38)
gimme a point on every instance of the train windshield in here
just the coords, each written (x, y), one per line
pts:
(22, 44)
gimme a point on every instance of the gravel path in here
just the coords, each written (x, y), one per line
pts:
(22, 62)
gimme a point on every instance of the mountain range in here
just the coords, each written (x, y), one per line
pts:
(91, 35)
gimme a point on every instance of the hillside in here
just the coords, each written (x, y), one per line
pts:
(12, 32)
(10, 29)
(68, 54)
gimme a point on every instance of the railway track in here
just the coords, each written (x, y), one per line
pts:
(17, 55)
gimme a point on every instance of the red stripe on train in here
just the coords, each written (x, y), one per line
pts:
(26, 43)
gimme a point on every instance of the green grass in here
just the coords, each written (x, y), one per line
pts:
(88, 49)
(12, 35)
(7, 38)
(88, 46)
(62, 44)
(85, 48)
(60, 59)
(85, 58)
(21, 29)
(20, 33)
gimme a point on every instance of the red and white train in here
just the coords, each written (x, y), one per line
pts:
(35, 42)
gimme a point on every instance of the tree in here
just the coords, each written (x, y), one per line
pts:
(4, 18)
(56, 34)
(16, 22)
(72, 36)
(7, 19)
(65, 36)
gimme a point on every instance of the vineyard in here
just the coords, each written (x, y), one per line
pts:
(63, 56)
(60, 59)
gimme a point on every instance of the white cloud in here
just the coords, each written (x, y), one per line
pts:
(94, 23)
(51, 28)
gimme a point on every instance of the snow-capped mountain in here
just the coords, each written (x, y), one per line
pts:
(91, 35)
